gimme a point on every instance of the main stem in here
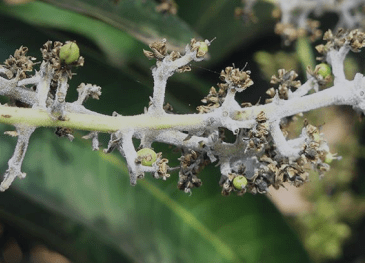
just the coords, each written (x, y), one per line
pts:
(101, 123)
(340, 94)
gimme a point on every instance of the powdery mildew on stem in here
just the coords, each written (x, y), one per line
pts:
(261, 156)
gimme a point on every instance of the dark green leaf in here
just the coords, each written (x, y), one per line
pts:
(136, 17)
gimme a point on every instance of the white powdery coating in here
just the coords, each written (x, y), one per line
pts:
(296, 12)
(15, 162)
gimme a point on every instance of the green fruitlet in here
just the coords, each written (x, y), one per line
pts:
(239, 182)
(203, 49)
(316, 137)
(148, 156)
(69, 52)
(324, 70)
(240, 115)
(237, 115)
(329, 158)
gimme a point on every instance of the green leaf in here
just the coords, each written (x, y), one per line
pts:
(305, 53)
(136, 17)
(117, 45)
(215, 19)
(85, 194)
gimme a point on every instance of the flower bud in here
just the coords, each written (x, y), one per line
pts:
(239, 182)
(148, 156)
(69, 52)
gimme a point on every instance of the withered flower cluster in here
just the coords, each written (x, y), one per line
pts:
(190, 165)
(246, 12)
(231, 76)
(167, 6)
(19, 64)
(162, 168)
(158, 50)
(237, 78)
(353, 39)
(286, 81)
(290, 32)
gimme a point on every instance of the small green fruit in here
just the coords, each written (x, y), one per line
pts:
(69, 52)
(203, 47)
(148, 156)
(329, 158)
(237, 115)
(239, 182)
(316, 137)
(324, 70)
(240, 115)
(202, 50)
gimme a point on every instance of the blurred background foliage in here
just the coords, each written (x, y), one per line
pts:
(78, 203)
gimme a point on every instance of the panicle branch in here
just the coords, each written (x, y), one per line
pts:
(295, 17)
(261, 156)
